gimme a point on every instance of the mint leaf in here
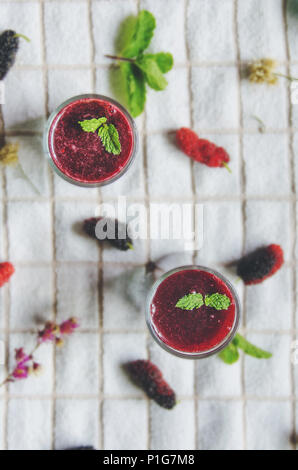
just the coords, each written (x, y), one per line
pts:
(217, 301)
(249, 348)
(190, 301)
(134, 88)
(125, 33)
(153, 75)
(110, 138)
(137, 69)
(230, 354)
(164, 60)
(91, 125)
(142, 34)
(107, 132)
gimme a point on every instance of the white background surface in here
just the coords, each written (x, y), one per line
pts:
(83, 398)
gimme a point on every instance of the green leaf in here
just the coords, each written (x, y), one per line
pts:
(217, 301)
(190, 301)
(91, 125)
(164, 60)
(134, 88)
(125, 33)
(154, 76)
(142, 35)
(230, 354)
(249, 348)
(110, 138)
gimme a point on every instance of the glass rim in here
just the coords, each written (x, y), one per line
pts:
(47, 151)
(184, 354)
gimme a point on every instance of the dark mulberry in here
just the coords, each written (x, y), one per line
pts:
(260, 264)
(119, 237)
(9, 44)
(150, 379)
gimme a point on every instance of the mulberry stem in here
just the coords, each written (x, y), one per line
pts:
(22, 36)
(227, 167)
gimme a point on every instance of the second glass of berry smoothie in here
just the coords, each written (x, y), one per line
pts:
(193, 312)
(90, 140)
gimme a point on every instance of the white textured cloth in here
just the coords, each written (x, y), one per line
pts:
(84, 394)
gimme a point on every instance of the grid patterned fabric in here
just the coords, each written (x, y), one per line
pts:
(83, 397)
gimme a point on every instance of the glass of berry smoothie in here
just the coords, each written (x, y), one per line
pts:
(193, 312)
(90, 140)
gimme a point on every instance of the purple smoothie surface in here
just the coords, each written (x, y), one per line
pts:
(80, 155)
(195, 330)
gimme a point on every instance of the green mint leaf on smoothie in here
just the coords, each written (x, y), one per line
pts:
(135, 90)
(190, 301)
(249, 348)
(141, 35)
(217, 301)
(153, 75)
(110, 138)
(91, 125)
(107, 133)
(230, 354)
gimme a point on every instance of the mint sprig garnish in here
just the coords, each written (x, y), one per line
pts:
(137, 68)
(107, 132)
(231, 353)
(110, 138)
(141, 34)
(217, 301)
(91, 125)
(196, 300)
(190, 301)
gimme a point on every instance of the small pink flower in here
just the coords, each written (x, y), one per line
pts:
(35, 369)
(20, 372)
(49, 333)
(68, 326)
(21, 357)
(59, 342)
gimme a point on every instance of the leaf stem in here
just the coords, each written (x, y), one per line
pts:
(262, 126)
(5, 381)
(288, 77)
(115, 57)
(26, 177)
